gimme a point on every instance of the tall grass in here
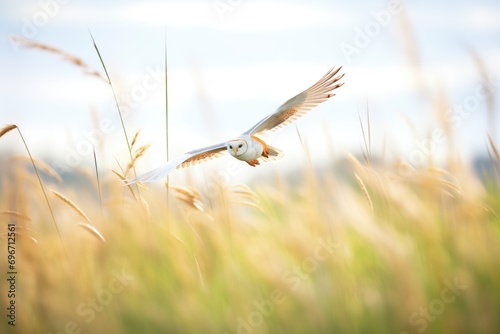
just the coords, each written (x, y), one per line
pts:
(10, 127)
(394, 245)
(372, 250)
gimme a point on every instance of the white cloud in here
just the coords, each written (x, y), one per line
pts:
(247, 16)
(253, 16)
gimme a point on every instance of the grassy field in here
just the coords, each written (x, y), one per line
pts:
(381, 247)
(386, 249)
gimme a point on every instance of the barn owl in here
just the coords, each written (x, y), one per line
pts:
(249, 147)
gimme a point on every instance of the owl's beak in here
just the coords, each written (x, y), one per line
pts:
(235, 149)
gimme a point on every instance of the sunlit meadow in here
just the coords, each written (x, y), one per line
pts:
(364, 245)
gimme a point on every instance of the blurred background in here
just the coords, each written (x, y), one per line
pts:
(231, 63)
(380, 219)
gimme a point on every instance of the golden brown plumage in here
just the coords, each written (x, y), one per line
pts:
(249, 147)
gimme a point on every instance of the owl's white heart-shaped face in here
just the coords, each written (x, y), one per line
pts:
(237, 147)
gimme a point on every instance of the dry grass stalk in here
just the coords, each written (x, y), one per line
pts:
(186, 191)
(357, 165)
(137, 154)
(366, 150)
(72, 205)
(43, 167)
(95, 232)
(3, 132)
(21, 233)
(245, 196)
(494, 149)
(120, 175)
(124, 179)
(189, 196)
(249, 204)
(28, 43)
(7, 129)
(494, 161)
(488, 85)
(140, 151)
(136, 136)
(365, 191)
(244, 191)
(17, 215)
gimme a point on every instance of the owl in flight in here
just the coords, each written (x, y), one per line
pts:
(248, 146)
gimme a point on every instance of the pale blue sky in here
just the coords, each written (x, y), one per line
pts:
(231, 66)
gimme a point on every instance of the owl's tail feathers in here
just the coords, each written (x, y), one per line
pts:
(273, 154)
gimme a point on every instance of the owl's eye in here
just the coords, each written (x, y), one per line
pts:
(241, 145)
(231, 147)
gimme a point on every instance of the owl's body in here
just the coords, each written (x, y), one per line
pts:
(245, 148)
(248, 146)
(250, 149)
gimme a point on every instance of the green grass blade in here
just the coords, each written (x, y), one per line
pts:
(116, 99)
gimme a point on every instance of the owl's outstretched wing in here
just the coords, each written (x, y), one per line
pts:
(187, 159)
(300, 104)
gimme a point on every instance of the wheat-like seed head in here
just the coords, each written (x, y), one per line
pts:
(137, 154)
(17, 215)
(191, 197)
(28, 43)
(94, 231)
(71, 205)
(136, 136)
(7, 128)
